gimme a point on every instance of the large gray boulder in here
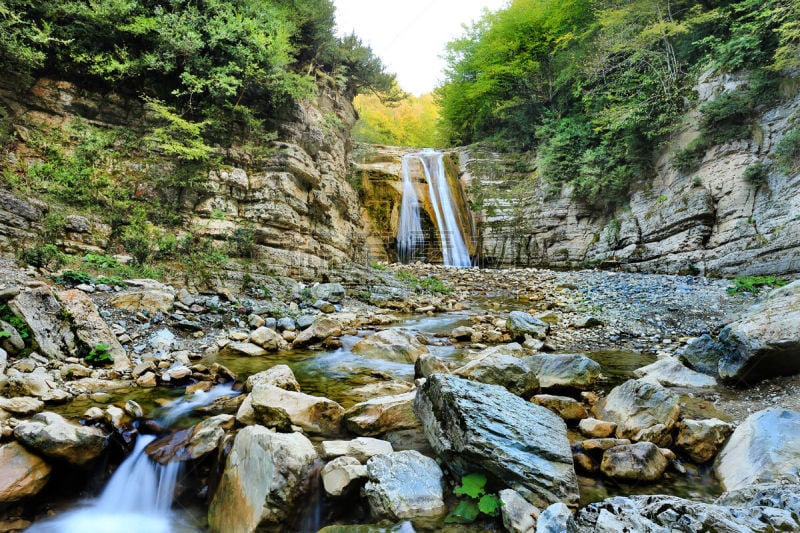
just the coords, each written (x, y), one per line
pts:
(263, 478)
(636, 407)
(474, 426)
(391, 345)
(772, 508)
(22, 474)
(669, 372)
(765, 448)
(90, 327)
(564, 370)
(47, 321)
(50, 435)
(520, 324)
(404, 485)
(318, 331)
(501, 369)
(330, 292)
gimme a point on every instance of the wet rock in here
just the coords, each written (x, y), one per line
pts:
(518, 515)
(473, 426)
(641, 461)
(51, 436)
(268, 339)
(242, 349)
(702, 439)
(279, 375)
(462, 333)
(383, 414)
(331, 292)
(428, 364)
(501, 369)
(21, 405)
(521, 324)
(391, 345)
(316, 415)
(764, 448)
(46, 319)
(341, 475)
(360, 448)
(318, 331)
(669, 372)
(147, 380)
(263, 478)
(147, 295)
(404, 485)
(567, 408)
(90, 327)
(564, 370)
(554, 519)
(702, 355)
(22, 474)
(591, 427)
(636, 406)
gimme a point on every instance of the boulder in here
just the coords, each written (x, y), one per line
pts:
(90, 327)
(636, 406)
(404, 485)
(428, 364)
(22, 474)
(641, 461)
(702, 439)
(145, 296)
(191, 443)
(501, 369)
(316, 415)
(330, 292)
(701, 355)
(554, 519)
(318, 331)
(242, 349)
(14, 342)
(379, 388)
(21, 405)
(518, 515)
(267, 338)
(360, 448)
(521, 324)
(379, 415)
(564, 370)
(391, 345)
(567, 408)
(765, 448)
(279, 375)
(669, 372)
(769, 509)
(341, 475)
(51, 436)
(463, 333)
(591, 427)
(264, 476)
(474, 426)
(47, 321)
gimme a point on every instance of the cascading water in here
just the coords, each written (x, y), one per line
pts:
(138, 497)
(409, 233)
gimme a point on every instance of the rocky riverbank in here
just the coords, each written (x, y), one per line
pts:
(544, 383)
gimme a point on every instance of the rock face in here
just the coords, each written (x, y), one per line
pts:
(391, 345)
(22, 473)
(404, 485)
(636, 406)
(564, 370)
(263, 477)
(764, 448)
(50, 435)
(475, 426)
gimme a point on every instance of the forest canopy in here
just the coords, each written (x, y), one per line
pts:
(595, 86)
(204, 59)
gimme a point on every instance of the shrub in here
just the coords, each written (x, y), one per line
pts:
(99, 355)
(688, 159)
(756, 173)
(477, 500)
(43, 256)
(787, 153)
(728, 117)
(754, 284)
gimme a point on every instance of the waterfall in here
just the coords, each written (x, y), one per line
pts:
(409, 232)
(454, 249)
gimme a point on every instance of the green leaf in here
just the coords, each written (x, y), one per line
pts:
(4, 334)
(465, 512)
(472, 485)
(490, 504)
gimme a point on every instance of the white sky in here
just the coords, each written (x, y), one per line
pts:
(409, 36)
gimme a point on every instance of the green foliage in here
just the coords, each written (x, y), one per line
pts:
(4, 334)
(688, 159)
(241, 243)
(473, 486)
(754, 284)
(377, 266)
(99, 355)
(72, 278)
(727, 118)
(787, 153)
(7, 315)
(42, 256)
(756, 173)
(405, 123)
(435, 285)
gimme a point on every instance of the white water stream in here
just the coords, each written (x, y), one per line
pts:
(409, 234)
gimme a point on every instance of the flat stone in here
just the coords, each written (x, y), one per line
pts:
(669, 372)
(21, 405)
(51, 436)
(404, 485)
(391, 345)
(243, 349)
(591, 427)
(521, 324)
(564, 370)
(567, 408)
(360, 448)
(316, 415)
(280, 376)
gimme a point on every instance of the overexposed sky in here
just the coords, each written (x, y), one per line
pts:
(410, 35)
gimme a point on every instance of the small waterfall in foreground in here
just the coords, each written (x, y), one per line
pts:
(454, 249)
(409, 232)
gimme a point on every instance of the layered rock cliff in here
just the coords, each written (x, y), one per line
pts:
(303, 214)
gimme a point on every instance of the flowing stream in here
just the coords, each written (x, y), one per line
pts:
(409, 235)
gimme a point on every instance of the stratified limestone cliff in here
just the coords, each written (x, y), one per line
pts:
(304, 215)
